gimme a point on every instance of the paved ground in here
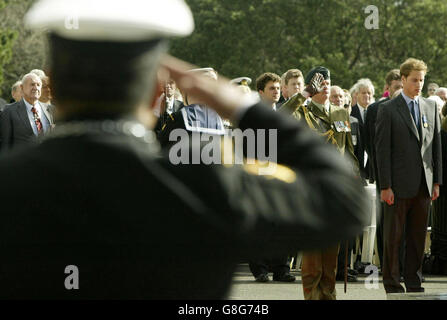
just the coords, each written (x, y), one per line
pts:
(245, 288)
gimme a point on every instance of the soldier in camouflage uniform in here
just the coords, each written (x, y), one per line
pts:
(319, 268)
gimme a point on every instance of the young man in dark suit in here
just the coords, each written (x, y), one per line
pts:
(268, 86)
(292, 82)
(408, 151)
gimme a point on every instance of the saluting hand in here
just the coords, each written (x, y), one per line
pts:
(316, 84)
(219, 95)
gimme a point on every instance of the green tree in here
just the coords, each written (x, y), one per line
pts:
(28, 50)
(7, 37)
(247, 38)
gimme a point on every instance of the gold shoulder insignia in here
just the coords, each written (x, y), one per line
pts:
(270, 170)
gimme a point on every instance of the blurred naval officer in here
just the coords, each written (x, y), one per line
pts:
(107, 216)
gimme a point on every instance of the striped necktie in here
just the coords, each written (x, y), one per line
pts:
(37, 120)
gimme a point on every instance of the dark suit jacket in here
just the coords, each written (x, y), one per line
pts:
(370, 134)
(363, 145)
(2, 104)
(355, 133)
(404, 155)
(165, 116)
(280, 103)
(126, 217)
(15, 127)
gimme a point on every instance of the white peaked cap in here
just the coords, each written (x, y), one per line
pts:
(240, 79)
(112, 20)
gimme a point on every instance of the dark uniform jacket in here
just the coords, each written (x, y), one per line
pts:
(138, 227)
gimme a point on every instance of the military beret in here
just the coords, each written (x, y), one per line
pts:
(324, 71)
(112, 20)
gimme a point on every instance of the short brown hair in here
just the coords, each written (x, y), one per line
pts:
(392, 76)
(264, 78)
(412, 64)
(292, 73)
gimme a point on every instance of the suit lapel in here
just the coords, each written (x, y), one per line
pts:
(23, 115)
(48, 114)
(402, 108)
(356, 113)
(424, 110)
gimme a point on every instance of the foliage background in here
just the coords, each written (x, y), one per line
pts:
(249, 37)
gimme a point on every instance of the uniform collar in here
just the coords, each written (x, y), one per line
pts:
(322, 107)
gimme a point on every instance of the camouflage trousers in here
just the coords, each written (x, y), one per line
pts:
(318, 272)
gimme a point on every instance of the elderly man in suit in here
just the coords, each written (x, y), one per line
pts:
(408, 146)
(23, 121)
(364, 93)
